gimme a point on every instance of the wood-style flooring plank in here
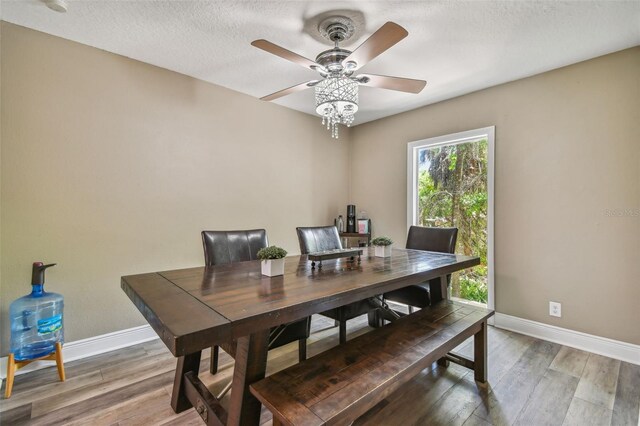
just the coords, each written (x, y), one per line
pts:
(98, 418)
(584, 413)
(186, 418)
(504, 356)
(97, 403)
(474, 420)
(426, 389)
(511, 394)
(123, 379)
(49, 376)
(149, 409)
(35, 395)
(16, 416)
(496, 336)
(522, 376)
(598, 381)
(626, 408)
(164, 362)
(570, 361)
(457, 404)
(550, 400)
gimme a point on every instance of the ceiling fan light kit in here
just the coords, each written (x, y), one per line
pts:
(337, 102)
(336, 94)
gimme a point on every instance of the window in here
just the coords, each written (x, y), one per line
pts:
(450, 183)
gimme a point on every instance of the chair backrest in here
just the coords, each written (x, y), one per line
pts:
(222, 247)
(442, 240)
(318, 238)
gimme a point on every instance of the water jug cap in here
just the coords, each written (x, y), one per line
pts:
(37, 276)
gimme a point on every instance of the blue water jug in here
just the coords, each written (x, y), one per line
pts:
(36, 319)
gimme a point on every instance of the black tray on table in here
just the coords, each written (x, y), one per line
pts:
(319, 256)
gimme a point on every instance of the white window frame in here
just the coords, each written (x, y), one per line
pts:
(412, 185)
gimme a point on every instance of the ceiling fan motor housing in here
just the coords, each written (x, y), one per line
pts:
(332, 59)
(336, 29)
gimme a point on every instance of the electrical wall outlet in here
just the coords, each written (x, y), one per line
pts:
(555, 309)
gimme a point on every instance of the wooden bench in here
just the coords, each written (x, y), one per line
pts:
(340, 385)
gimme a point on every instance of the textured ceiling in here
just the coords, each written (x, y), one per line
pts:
(457, 46)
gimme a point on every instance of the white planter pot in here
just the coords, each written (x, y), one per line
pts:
(272, 267)
(383, 251)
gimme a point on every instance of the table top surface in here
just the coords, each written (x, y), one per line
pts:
(193, 308)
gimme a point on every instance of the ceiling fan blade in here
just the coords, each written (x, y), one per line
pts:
(386, 36)
(274, 49)
(289, 90)
(392, 83)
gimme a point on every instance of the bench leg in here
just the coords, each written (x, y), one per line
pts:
(480, 353)
(251, 363)
(187, 363)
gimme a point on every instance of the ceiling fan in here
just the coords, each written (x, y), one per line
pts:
(337, 89)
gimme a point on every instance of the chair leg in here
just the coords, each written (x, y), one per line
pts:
(443, 362)
(213, 361)
(375, 319)
(343, 332)
(302, 350)
(410, 309)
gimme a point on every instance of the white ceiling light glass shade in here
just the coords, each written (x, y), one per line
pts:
(336, 102)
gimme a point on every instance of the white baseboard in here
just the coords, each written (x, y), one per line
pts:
(92, 346)
(120, 339)
(599, 345)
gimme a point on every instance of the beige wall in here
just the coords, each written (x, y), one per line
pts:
(567, 151)
(111, 167)
(2, 318)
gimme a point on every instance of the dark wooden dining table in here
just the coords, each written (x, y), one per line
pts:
(193, 309)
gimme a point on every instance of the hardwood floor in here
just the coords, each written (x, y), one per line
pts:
(532, 382)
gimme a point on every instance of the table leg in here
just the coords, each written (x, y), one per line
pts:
(187, 363)
(480, 353)
(251, 363)
(444, 288)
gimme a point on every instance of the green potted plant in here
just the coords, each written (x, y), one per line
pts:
(272, 260)
(383, 246)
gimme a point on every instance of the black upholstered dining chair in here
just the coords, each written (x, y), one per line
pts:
(221, 247)
(441, 240)
(321, 238)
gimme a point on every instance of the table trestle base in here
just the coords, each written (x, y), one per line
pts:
(206, 405)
